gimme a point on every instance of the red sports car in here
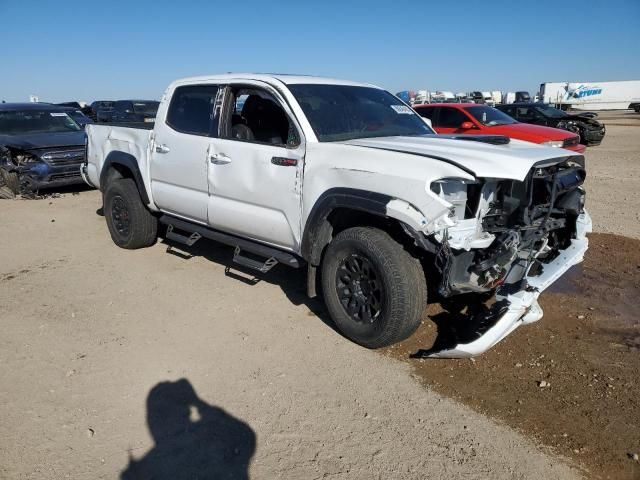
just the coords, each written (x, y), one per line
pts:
(470, 118)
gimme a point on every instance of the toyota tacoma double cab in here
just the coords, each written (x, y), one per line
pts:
(349, 182)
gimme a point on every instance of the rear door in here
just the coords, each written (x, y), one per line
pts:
(182, 135)
(255, 167)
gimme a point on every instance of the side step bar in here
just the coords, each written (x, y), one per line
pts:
(245, 261)
(273, 255)
(176, 237)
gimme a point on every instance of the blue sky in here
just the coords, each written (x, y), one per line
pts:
(86, 50)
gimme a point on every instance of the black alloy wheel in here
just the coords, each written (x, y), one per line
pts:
(359, 288)
(120, 216)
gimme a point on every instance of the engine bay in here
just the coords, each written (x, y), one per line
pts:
(530, 222)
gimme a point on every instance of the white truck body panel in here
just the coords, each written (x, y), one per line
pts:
(591, 95)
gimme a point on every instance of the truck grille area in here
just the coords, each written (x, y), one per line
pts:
(532, 221)
(63, 157)
(63, 176)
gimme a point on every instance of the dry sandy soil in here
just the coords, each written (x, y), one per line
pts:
(134, 363)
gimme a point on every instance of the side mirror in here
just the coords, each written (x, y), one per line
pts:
(467, 125)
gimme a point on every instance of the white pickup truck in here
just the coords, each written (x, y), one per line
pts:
(349, 182)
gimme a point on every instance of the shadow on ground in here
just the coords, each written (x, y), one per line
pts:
(192, 438)
(292, 281)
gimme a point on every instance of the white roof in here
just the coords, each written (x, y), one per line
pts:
(272, 78)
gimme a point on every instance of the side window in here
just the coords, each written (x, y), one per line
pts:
(256, 116)
(526, 113)
(427, 113)
(191, 110)
(511, 111)
(451, 118)
(120, 106)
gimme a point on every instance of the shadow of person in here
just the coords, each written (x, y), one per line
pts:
(193, 440)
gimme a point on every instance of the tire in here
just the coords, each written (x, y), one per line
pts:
(11, 180)
(130, 223)
(375, 290)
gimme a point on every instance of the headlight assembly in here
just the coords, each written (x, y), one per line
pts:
(455, 192)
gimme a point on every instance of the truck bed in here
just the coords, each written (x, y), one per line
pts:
(128, 138)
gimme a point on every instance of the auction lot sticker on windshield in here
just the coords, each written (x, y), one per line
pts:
(55, 114)
(402, 109)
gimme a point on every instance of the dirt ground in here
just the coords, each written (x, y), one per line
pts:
(613, 176)
(95, 341)
(587, 348)
(119, 363)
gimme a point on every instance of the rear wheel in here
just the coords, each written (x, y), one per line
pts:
(130, 223)
(374, 290)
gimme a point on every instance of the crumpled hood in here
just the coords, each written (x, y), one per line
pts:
(36, 141)
(512, 161)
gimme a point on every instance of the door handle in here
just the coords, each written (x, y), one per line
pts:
(219, 159)
(162, 148)
(284, 161)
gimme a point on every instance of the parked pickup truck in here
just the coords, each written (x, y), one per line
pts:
(347, 181)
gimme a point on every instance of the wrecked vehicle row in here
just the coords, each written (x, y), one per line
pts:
(40, 147)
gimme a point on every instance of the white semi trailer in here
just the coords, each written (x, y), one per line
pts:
(591, 95)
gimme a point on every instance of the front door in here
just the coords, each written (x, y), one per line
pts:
(255, 167)
(450, 120)
(179, 167)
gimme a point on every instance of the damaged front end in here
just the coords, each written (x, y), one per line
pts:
(514, 238)
(25, 172)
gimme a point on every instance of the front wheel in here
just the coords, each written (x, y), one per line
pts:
(130, 223)
(374, 289)
(11, 180)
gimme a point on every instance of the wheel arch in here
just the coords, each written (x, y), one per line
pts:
(341, 208)
(123, 165)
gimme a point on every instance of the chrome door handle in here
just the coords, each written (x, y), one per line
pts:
(219, 159)
(162, 148)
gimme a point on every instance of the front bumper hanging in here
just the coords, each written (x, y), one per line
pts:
(516, 308)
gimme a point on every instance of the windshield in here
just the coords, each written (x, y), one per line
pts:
(345, 112)
(146, 108)
(33, 121)
(489, 116)
(549, 111)
(78, 116)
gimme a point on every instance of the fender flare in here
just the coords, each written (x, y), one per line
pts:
(129, 162)
(317, 231)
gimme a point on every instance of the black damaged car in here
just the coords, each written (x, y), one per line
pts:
(40, 147)
(590, 130)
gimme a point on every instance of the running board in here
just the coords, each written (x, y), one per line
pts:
(241, 244)
(177, 237)
(245, 261)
